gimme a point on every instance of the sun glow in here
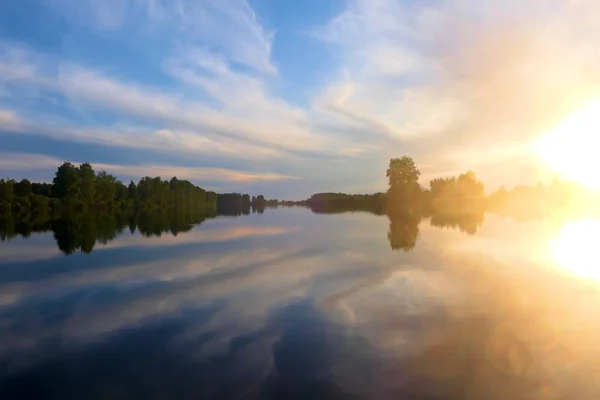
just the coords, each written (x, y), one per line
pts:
(576, 248)
(571, 148)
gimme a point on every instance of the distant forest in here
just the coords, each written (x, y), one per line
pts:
(81, 189)
(463, 194)
(83, 207)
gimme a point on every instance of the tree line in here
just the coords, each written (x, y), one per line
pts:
(457, 202)
(462, 194)
(80, 188)
(404, 193)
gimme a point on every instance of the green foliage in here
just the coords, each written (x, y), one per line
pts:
(43, 189)
(76, 189)
(22, 188)
(87, 178)
(7, 192)
(332, 203)
(211, 198)
(55, 205)
(106, 188)
(121, 193)
(403, 180)
(132, 192)
(65, 184)
(21, 205)
(459, 194)
(233, 204)
(245, 200)
(40, 204)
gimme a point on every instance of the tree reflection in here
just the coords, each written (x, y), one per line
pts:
(404, 229)
(83, 231)
(468, 222)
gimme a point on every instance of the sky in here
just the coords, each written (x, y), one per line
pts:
(289, 98)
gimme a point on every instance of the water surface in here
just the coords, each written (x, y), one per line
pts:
(290, 304)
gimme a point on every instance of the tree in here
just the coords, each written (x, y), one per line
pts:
(132, 192)
(469, 187)
(245, 200)
(40, 204)
(43, 189)
(121, 192)
(65, 184)
(87, 184)
(21, 205)
(22, 188)
(7, 193)
(106, 187)
(403, 179)
(461, 193)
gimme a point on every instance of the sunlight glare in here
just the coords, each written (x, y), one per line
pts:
(576, 248)
(571, 148)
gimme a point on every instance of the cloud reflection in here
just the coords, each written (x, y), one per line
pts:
(298, 316)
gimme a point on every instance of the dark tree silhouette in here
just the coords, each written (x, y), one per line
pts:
(66, 182)
(87, 178)
(23, 188)
(403, 181)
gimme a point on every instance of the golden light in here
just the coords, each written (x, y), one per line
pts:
(576, 248)
(571, 148)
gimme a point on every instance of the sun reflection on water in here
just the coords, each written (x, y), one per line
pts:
(576, 248)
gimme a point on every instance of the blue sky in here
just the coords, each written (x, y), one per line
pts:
(288, 98)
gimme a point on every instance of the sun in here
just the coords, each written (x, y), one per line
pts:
(571, 148)
(576, 248)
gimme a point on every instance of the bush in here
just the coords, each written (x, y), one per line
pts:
(40, 204)
(21, 205)
(56, 206)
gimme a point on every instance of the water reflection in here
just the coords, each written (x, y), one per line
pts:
(576, 248)
(83, 231)
(294, 305)
(404, 230)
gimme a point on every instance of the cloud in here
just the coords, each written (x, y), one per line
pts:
(154, 271)
(249, 115)
(471, 76)
(9, 120)
(25, 162)
(250, 123)
(231, 28)
(433, 80)
(248, 280)
(194, 127)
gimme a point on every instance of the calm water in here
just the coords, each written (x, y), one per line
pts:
(295, 305)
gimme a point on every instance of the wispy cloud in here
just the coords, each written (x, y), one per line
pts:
(232, 28)
(9, 120)
(260, 124)
(463, 76)
(430, 79)
(24, 162)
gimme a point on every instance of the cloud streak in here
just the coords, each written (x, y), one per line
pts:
(457, 85)
(470, 76)
(35, 162)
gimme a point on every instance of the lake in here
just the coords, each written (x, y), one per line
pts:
(291, 304)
